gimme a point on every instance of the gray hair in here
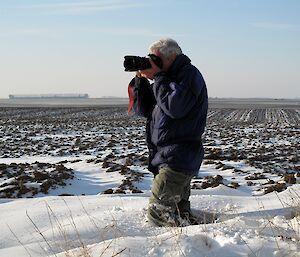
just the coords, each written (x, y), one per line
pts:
(166, 46)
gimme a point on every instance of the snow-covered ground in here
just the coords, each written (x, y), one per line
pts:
(115, 225)
(106, 151)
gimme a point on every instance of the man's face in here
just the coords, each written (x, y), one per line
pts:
(150, 73)
(167, 62)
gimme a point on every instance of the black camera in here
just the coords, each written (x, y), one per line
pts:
(135, 63)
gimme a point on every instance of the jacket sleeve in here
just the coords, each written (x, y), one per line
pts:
(177, 98)
(141, 98)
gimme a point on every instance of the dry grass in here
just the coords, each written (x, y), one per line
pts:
(66, 238)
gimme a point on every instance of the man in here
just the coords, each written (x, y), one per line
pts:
(175, 106)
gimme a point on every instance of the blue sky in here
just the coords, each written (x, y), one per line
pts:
(244, 48)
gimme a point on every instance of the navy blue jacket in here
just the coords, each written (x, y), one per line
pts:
(175, 106)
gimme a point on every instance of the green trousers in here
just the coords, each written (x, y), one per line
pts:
(169, 202)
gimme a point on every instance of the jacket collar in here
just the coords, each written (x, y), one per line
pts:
(180, 61)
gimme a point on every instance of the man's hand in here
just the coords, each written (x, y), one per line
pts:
(150, 73)
(138, 74)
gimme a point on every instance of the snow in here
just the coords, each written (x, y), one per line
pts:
(90, 223)
(95, 224)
